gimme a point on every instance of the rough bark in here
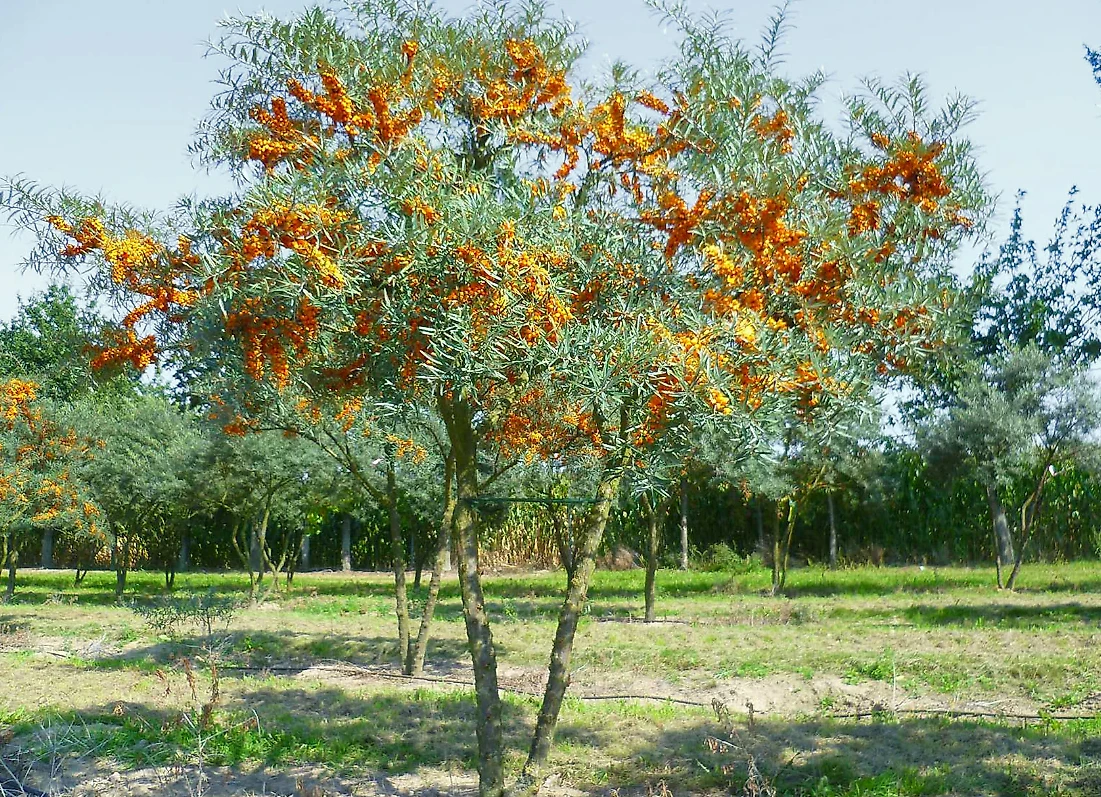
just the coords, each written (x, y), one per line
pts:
(792, 512)
(443, 558)
(459, 420)
(397, 556)
(683, 522)
(1002, 537)
(346, 544)
(655, 513)
(833, 531)
(558, 676)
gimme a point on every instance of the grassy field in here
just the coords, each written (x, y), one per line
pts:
(869, 682)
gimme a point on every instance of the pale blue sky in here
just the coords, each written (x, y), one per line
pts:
(103, 95)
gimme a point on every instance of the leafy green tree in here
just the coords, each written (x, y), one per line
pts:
(138, 476)
(1022, 414)
(1043, 297)
(46, 341)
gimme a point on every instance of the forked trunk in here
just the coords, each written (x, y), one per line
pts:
(1002, 537)
(558, 676)
(415, 666)
(1029, 512)
(240, 537)
(459, 420)
(397, 555)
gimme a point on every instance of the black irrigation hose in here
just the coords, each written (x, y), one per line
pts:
(13, 788)
(932, 712)
(963, 712)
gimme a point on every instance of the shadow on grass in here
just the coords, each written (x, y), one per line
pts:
(624, 746)
(1004, 616)
(912, 756)
(245, 652)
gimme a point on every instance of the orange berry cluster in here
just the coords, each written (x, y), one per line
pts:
(144, 267)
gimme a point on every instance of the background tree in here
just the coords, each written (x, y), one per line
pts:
(1020, 414)
(39, 460)
(47, 340)
(138, 477)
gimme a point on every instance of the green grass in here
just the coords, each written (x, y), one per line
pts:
(940, 636)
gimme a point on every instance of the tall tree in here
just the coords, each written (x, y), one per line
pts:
(555, 269)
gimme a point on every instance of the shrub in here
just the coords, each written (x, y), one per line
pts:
(721, 558)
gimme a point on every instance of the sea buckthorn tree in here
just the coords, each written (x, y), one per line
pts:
(437, 211)
(39, 484)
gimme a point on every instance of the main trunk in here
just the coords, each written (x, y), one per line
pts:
(261, 543)
(792, 510)
(1003, 538)
(48, 548)
(122, 565)
(558, 676)
(833, 532)
(443, 550)
(777, 553)
(683, 523)
(459, 419)
(346, 544)
(397, 555)
(655, 511)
